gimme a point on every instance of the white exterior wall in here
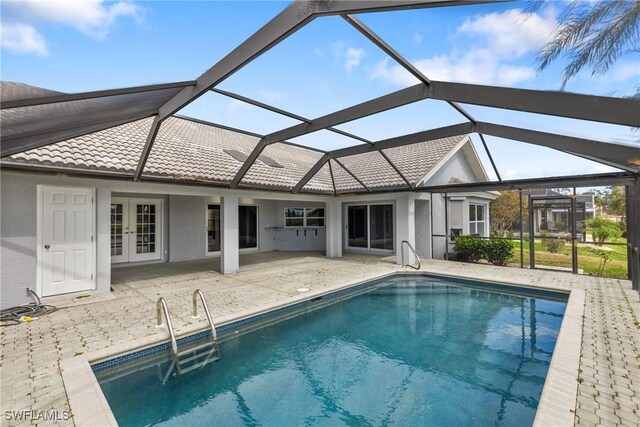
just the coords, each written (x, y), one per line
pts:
(274, 235)
(458, 214)
(184, 221)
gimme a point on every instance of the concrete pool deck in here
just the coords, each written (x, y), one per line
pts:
(30, 375)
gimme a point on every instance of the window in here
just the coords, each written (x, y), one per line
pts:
(304, 217)
(476, 219)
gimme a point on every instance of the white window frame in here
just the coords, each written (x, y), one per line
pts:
(481, 231)
(304, 217)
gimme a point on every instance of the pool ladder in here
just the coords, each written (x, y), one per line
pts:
(404, 242)
(194, 357)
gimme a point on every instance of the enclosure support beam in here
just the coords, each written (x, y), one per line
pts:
(445, 132)
(602, 179)
(153, 132)
(521, 230)
(619, 111)
(486, 149)
(377, 105)
(285, 113)
(311, 172)
(633, 231)
(621, 158)
(352, 175)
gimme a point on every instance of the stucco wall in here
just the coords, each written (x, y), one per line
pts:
(18, 230)
(187, 228)
(456, 167)
(186, 212)
(423, 231)
(289, 239)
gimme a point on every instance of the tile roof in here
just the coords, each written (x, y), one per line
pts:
(187, 150)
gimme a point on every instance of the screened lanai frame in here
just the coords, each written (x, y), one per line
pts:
(32, 120)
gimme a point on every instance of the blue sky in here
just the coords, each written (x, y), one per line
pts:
(75, 46)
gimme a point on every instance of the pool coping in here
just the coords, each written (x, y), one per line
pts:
(89, 406)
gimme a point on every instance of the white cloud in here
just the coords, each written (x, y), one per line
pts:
(94, 18)
(353, 58)
(417, 38)
(492, 44)
(512, 32)
(21, 38)
(350, 57)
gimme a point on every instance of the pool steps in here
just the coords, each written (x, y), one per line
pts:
(211, 349)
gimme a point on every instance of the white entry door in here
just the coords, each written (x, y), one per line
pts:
(67, 239)
(136, 230)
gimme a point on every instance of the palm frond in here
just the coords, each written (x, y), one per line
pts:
(593, 35)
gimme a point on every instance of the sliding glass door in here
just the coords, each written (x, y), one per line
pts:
(381, 227)
(248, 227)
(357, 227)
(370, 227)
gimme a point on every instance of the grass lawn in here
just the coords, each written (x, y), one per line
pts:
(589, 258)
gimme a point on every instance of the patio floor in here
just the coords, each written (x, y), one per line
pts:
(30, 376)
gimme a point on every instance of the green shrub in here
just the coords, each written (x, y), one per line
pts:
(603, 229)
(470, 249)
(553, 245)
(498, 252)
(473, 249)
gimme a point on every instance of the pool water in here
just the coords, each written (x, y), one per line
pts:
(411, 353)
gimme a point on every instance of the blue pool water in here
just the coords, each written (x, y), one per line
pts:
(413, 352)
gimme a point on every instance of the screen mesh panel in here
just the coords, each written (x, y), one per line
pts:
(373, 170)
(114, 149)
(416, 160)
(194, 151)
(345, 183)
(321, 181)
(32, 126)
(10, 91)
(296, 163)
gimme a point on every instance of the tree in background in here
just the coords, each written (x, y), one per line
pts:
(592, 34)
(505, 211)
(611, 200)
(615, 201)
(603, 229)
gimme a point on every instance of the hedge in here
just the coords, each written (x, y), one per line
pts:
(473, 249)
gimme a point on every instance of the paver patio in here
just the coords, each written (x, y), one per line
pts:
(30, 376)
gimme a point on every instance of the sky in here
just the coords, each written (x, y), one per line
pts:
(82, 45)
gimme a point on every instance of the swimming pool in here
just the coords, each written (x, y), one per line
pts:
(405, 351)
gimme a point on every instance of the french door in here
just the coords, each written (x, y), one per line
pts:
(136, 230)
(370, 227)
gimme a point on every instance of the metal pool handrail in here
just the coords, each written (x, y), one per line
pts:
(414, 254)
(197, 293)
(161, 306)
